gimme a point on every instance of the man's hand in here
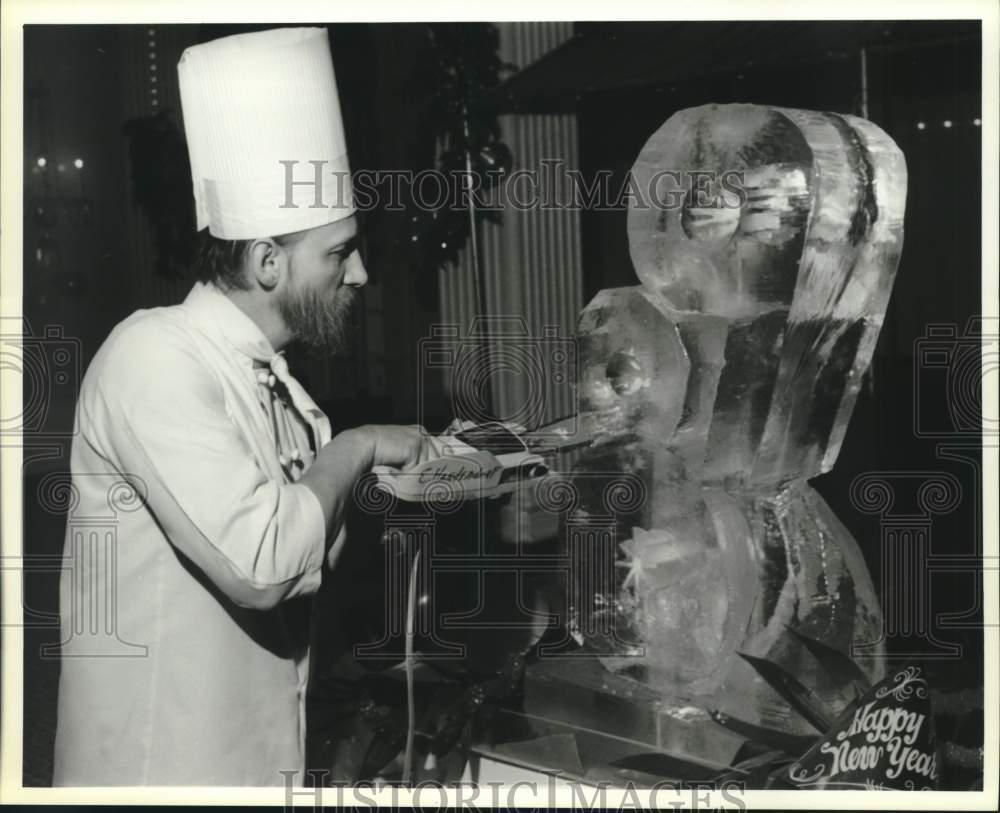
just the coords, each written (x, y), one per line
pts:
(400, 446)
(352, 453)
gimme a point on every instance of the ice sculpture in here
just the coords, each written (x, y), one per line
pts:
(766, 250)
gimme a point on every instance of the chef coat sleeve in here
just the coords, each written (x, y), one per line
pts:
(165, 418)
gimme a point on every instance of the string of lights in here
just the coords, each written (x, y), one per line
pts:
(949, 124)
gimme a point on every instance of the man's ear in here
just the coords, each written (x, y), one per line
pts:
(268, 263)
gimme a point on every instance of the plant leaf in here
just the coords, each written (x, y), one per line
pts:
(659, 764)
(798, 696)
(386, 743)
(844, 671)
(752, 773)
(792, 744)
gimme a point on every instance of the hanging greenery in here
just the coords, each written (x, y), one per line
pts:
(461, 65)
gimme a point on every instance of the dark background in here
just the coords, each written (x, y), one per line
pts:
(90, 261)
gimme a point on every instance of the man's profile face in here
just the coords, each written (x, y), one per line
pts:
(320, 296)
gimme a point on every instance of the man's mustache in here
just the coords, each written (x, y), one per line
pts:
(350, 297)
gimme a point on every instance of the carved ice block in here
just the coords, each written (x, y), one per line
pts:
(802, 269)
(766, 254)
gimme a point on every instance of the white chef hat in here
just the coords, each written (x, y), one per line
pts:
(262, 119)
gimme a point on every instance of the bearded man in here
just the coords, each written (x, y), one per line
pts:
(235, 490)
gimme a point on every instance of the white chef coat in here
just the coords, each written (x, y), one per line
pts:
(207, 566)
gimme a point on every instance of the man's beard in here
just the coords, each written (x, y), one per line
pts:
(321, 325)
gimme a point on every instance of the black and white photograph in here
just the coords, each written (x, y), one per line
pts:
(576, 407)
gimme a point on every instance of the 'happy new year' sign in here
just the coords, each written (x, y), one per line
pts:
(884, 741)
